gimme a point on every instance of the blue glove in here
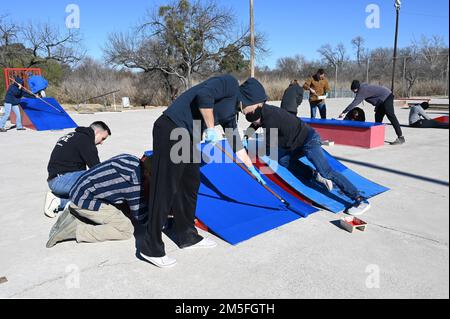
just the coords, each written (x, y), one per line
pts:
(211, 136)
(245, 142)
(257, 175)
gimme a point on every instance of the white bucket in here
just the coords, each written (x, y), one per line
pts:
(126, 102)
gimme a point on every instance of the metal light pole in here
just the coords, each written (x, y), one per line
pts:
(367, 71)
(397, 4)
(446, 84)
(252, 41)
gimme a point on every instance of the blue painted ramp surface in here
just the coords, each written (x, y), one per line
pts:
(344, 123)
(234, 205)
(334, 201)
(44, 117)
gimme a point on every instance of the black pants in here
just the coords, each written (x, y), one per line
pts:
(429, 124)
(387, 108)
(173, 189)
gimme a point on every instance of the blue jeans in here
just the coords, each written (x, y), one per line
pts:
(312, 149)
(322, 109)
(5, 117)
(61, 185)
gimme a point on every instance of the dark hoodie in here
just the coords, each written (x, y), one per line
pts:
(292, 132)
(73, 153)
(292, 98)
(13, 95)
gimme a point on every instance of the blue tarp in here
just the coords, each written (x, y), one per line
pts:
(344, 123)
(334, 201)
(235, 206)
(37, 83)
(44, 117)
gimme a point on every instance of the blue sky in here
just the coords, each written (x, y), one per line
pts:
(291, 26)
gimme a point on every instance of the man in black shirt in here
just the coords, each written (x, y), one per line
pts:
(174, 186)
(68, 161)
(297, 139)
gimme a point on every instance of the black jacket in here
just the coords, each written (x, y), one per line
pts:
(219, 93)
(292, 98)
(73, 153)
(13, 95)
(292, 131)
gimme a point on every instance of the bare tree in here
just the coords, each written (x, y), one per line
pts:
(8, 37)
(432, 49)
(180, 40)
(358, 45)
(46, 43)
(291, 66)
(335, 56)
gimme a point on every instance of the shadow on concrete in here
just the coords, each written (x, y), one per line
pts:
(336, 223)
(393, 171)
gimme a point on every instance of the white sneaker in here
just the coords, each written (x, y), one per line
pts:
(359, 208)
(328, 184)
(161, 262)
(204, 243)
(51, 205)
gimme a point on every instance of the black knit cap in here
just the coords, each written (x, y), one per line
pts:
(355, 85)
(252, 92)
(425, 105)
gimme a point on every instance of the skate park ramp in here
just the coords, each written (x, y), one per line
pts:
(40, 116)
(234, 206)
(334, 201)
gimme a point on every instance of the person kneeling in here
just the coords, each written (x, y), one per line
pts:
(295, 139)
(93, 213)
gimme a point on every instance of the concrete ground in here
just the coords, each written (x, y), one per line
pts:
(404, 253)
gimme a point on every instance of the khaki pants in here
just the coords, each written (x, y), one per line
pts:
(111, 224)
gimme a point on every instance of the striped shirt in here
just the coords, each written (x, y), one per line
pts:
(114, 181)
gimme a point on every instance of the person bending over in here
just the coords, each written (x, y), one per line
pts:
(295, 140)
(99, 199)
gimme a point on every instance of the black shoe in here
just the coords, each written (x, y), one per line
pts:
(399, 141)
(2, 130)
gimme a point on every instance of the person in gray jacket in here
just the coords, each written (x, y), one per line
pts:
(292, 98)
(383, 100)
(419, 118)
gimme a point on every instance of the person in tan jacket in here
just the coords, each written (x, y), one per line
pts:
(318, 87)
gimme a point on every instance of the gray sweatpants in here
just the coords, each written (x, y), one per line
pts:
(111, 224)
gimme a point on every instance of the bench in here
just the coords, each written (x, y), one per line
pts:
(350, 133)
